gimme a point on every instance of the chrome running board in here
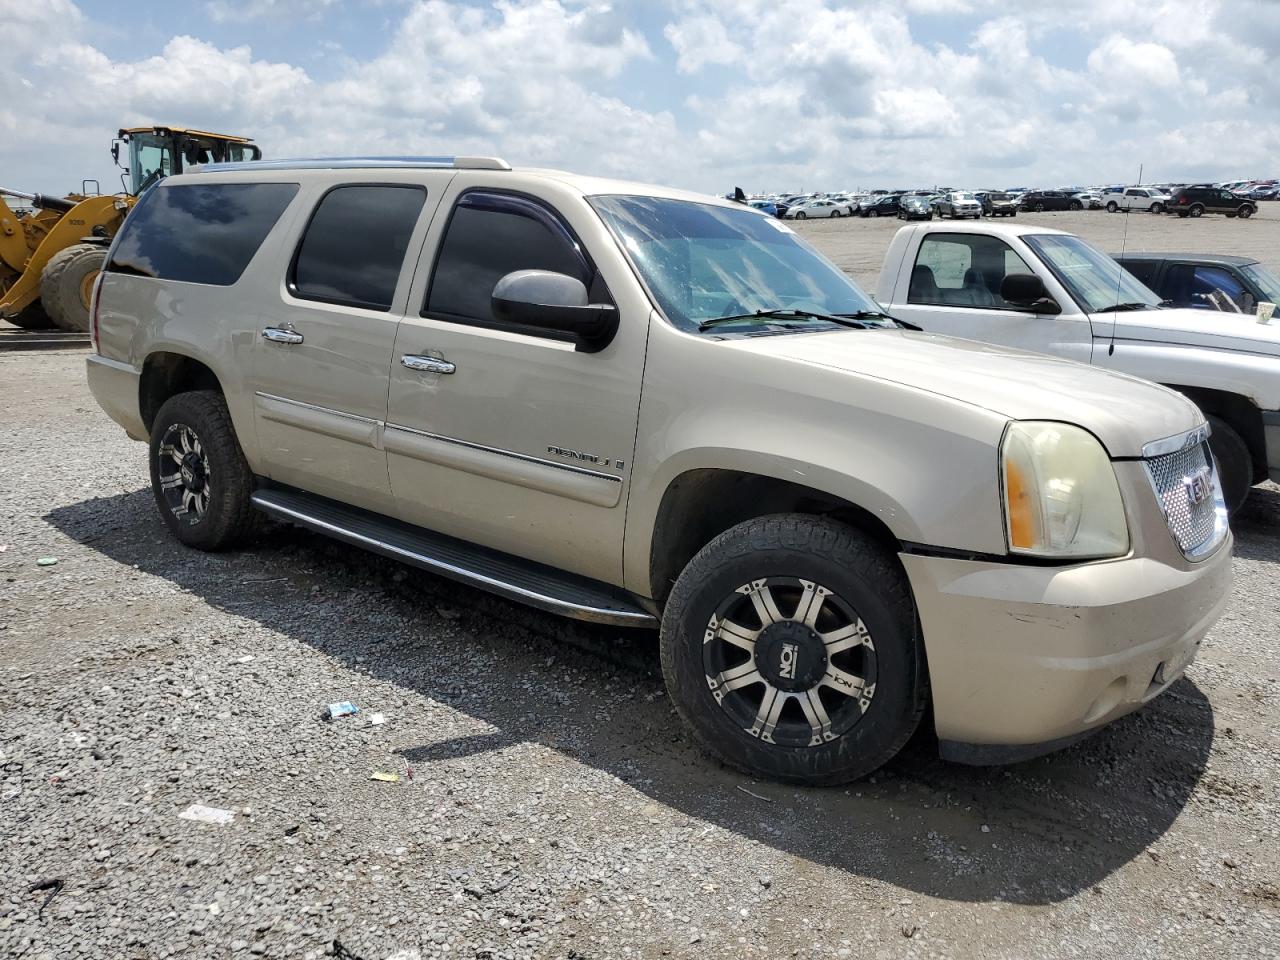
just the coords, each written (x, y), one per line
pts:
(531, 583)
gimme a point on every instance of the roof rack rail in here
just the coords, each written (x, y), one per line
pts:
(354, 163)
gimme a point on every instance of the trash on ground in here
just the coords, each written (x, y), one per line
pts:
(46, 561)
(386, 777)
(376, 718)
(412, 953)
(53, 885)
(344, 709)
(758, 796)
(202, 814)
(247, 658)
(3, 547)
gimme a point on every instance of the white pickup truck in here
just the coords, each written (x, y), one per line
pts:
(1051, 292)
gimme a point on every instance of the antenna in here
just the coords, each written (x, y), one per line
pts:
(1124, 240)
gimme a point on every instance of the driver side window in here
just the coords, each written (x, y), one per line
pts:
(490, 235)
(964, 270)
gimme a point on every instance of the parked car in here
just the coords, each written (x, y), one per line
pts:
(764, 206)
(1090, 200)
(1197, 201)
(816, 210)
(1041, 200)
(913, 207)
(1001, 283)
(998, 204)
(959, 205)
(885, 205)
(525, 379)
(1136, 198)
(1205, 281)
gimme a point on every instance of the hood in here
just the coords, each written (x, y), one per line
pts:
(1198, 328)
(1121, 411)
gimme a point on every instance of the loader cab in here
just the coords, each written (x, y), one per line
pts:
(157, 152)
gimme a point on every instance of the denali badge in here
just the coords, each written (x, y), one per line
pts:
(787, 666)
(589, 457)
(1198, 486)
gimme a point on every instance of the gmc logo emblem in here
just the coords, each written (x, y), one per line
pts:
(1198, 487)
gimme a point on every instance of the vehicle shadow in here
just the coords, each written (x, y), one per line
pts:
(1033, 833)
(1257, 524)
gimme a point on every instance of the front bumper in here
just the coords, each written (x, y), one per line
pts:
(1024, 659)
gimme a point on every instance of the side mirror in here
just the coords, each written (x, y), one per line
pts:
(115, 151)
(556, 303)
(1027, 290)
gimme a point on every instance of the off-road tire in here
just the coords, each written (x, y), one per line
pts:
(32, 317)
(64, 281)
(228, 519)
(1235, 464)
(860, 572)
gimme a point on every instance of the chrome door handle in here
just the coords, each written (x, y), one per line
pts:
(427, 364)
(278, 335)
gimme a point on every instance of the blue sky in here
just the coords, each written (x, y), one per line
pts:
(706, 94)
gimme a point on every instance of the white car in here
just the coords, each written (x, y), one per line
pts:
(1136, 198)
(1091, 200)
(1050, 292)
(817, 209)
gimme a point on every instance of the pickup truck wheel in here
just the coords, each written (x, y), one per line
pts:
(1235, 465)
(199, 475)
(1156, 208)
(789, 645)
(1112, 207)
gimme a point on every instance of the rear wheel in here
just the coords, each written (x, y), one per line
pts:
(1156, 208)
(66, 284)
(789, 645)
(873, 213)
(1235, 465)
(836, 213)
(1196, 210)
(199, 476)
(1039, 208)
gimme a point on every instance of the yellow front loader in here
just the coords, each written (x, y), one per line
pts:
(51, 253)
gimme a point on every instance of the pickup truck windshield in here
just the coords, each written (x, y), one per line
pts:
(1264, 279)
(1096, 281)
(701, 261)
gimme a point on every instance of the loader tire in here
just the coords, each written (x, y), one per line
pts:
(66, 284)
(32, 318)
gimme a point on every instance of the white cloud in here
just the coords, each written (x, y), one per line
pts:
(765, 93)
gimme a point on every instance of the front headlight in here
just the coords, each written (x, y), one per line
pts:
(1061, 498)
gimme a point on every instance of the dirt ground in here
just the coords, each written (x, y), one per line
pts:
(556, 808)
(857, 246)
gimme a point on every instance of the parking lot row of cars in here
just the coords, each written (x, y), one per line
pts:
(1235, 199)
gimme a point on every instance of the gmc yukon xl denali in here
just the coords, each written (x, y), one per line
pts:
(648, 408)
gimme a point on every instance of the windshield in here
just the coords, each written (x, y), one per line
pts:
(1095, 280)
(701, 261)
(1264, 279)
(962, 196)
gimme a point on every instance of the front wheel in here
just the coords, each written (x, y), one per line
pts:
(199, 476)
(1076, 205)
(1235, 465)
(66, 284)
(1244, 213)
(1113, 207)
(789, 645)
(1039, 208)
(873, 213)
(801, 216)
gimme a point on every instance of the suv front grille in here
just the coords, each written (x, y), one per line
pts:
(1186, 484)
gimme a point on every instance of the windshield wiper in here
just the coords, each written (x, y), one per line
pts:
(877, 315)
(785, 314)
(1126, 307)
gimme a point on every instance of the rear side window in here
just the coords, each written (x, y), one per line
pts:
(490, 235)
(199, 233)
(353, 249)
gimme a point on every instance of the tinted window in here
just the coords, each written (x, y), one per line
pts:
(489, 236)
(963, 270)
(199, 233)
(1144, 270)
(354, 246)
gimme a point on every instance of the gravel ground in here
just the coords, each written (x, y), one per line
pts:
(556, 807)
